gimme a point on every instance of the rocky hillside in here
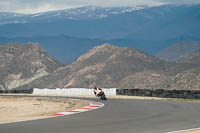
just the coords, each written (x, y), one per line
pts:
(107, 65)
(21, 64)
(192, 59)
(110, 66)
(179, 50)
(104, 66)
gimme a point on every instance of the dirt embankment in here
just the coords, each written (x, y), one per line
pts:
(19, 108)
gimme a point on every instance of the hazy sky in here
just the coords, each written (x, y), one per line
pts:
(35, 6)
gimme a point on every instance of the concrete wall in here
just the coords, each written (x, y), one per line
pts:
(73, 91)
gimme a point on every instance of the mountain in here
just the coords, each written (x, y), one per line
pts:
(107, 65)
(67, 49)
(80, 13)
(110, 66)
(179, 50)
(21, 64)
(151, 29)
(63, 48)
(104, 66)
(6, 17)
(144, 23)
(192, 59)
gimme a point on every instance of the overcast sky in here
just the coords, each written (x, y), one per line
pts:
(36, 6)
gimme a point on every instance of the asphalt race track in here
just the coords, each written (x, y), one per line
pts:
(118, 116)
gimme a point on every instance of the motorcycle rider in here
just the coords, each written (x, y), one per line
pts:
(98, 91)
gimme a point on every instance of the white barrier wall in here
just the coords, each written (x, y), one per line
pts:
(73, 91)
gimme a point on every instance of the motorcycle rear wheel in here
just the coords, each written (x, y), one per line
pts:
(103, 97)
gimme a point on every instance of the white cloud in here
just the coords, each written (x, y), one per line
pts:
(43, 8)
(112, 3)
(181, 1)
(35, 6)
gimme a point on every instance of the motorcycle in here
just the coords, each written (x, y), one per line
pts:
(102, 96)
(98, 92)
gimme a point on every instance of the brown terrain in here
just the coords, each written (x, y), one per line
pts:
(179, 50)
(20, 108)
(110, 66)
(21, 64)
(192, 59)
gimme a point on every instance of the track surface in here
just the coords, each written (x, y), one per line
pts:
(118, 116)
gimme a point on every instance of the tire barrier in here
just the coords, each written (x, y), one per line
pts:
(30, 91)
(185, 94)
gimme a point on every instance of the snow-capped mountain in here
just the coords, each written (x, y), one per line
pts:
(9, 15)
(149, 29)
(7, 18)
(81, 13)
(88, 12)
